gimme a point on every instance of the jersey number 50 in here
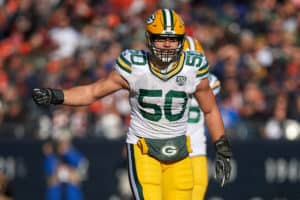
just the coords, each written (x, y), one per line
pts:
(167, 108)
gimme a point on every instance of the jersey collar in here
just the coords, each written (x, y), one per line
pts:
(174, 69)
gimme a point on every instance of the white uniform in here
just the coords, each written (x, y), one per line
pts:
(160, 100)
(196, 128)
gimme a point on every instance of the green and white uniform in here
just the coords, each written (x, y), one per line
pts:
(160, 100)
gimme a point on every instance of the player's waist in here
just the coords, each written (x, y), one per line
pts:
(133, 136)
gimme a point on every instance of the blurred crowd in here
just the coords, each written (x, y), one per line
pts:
(253, 47)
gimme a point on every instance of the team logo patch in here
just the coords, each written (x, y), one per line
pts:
(181, 80)
(169, 150)
(151, 19)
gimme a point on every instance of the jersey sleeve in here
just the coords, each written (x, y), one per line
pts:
(214, 83)
(202, 69)
(123, 65)
(199, 66)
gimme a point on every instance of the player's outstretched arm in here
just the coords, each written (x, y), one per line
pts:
(80, 95)
(214, 122)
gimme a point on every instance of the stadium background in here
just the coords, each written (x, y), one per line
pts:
(253, 47)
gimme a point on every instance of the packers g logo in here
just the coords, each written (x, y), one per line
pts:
(151, 19)
(169, 150)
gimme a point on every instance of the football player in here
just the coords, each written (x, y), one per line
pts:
(160, 82)
(196, 129)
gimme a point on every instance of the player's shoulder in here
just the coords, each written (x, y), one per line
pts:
(197, 62)
(130, 58)
(190, 40)
(194, 53)
(195, 58)
(129, 52)
(191, 43)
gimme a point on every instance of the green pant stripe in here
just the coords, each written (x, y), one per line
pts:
(133, 178)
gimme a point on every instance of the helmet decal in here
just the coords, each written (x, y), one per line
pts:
(168, 21)
(151, 19)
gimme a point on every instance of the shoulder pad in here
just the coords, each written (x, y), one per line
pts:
(197, 60)
(130, 58)
(123, 61)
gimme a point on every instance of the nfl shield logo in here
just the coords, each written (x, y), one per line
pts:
(180, 80)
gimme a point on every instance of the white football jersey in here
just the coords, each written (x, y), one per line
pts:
(196, 128)
(160, 100)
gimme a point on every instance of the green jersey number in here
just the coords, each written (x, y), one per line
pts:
(194, 115)
(167, 108)
(193, 59)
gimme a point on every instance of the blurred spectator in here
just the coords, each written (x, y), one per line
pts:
(253, 111)
(64, 167)
(63, 122)
(232, 89)
(63, 34)
(13, 114)
(6, 192)
(111, 124)
(280, 126)
(230, 117)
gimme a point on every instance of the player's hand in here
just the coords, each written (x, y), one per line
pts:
(223, 156)
(47, 96)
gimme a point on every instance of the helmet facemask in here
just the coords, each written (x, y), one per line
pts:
(165, 55)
